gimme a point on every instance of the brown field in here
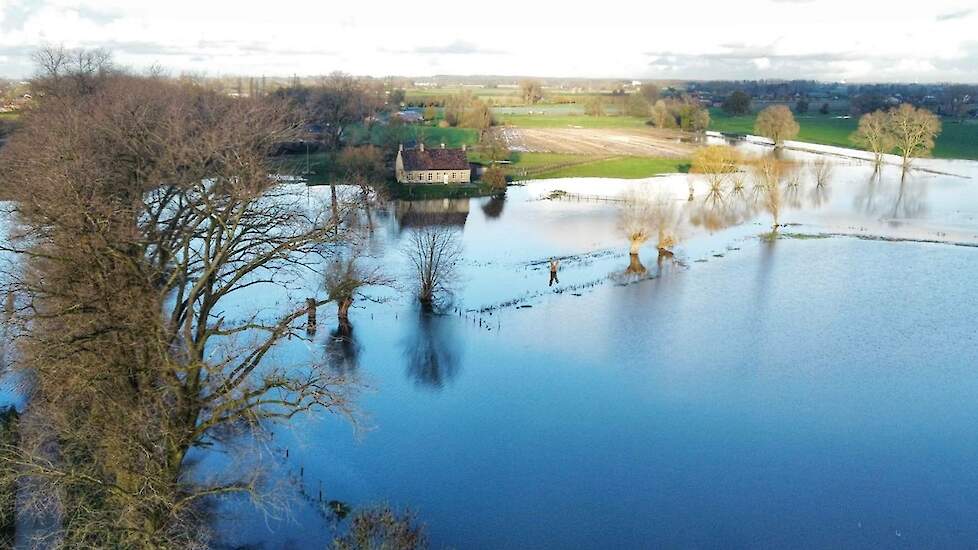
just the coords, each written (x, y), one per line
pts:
(600, 141)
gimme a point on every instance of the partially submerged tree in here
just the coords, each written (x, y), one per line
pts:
(822, 170)
(495, 177)
(345, 280)
(382, 529)
(776, 123)
(644, 216)
(433, 253)
(635, 219)
(717, 164)
(767, 172)
(143, 208)
(874, 134)
(914, 131)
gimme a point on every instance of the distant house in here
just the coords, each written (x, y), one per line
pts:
(425, 166)
(409, 117)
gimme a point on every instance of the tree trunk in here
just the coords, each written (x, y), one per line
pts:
(343, 309)
(311, 315)
(334, 205)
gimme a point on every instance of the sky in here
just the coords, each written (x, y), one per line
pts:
(828, 40)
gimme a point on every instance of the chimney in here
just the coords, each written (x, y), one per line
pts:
(422, 147)
(443, 145)
(400, 147)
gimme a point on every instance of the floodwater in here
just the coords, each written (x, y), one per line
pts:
(816, 390)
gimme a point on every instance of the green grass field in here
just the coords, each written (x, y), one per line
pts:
(433, 135)
(554, 165)
(565, 121)
(957, 140)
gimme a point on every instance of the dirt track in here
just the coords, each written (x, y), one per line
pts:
(598, 141)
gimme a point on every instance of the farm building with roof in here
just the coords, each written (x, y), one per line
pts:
(426, 166)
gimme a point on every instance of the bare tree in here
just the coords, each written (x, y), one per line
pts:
(914, 131)
(494, 147)
(767, 172)
(661, 117)
(717, 164)
(63, 71)
(644, 216)
(594, 106)
(635, 219)
(364, 167)
(143, 208)
(479, 116)
(874, 134)
(382, 529)
(776, 123)
(346, 278)
(531, 91)
(433, 252)
(650, 92)
(822, 170)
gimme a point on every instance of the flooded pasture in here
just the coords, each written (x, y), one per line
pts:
(811, 390)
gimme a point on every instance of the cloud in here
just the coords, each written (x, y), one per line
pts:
(458, 47)
(952, 15)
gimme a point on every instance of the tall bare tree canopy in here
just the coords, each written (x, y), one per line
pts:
(913, 132)
(650, 92)
(874, 134)
(433, 252)
(531, 91)
(717, 163)
(776, 123)
(142, 207)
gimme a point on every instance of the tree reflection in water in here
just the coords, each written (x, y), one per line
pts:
(432, 350)
(343, 350)
(493, 208)
(897, 200)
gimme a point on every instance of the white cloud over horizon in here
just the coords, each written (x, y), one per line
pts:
(863, 40)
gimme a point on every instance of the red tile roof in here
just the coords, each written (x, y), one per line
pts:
(435, 159)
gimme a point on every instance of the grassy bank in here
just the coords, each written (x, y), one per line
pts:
(440, 191)
(554, 165)
(957, 140)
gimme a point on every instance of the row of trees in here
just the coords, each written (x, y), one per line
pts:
(906, 130)
(468, 111)
(686, 114)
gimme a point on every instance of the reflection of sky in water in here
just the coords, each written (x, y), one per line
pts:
(815, 392)
(811, 392)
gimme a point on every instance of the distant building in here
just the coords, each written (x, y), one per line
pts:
(426, 166)
(409, 117)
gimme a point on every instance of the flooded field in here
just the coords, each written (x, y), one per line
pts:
(811, 390)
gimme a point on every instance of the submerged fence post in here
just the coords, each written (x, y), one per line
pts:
(8, 306)
(311, 315)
